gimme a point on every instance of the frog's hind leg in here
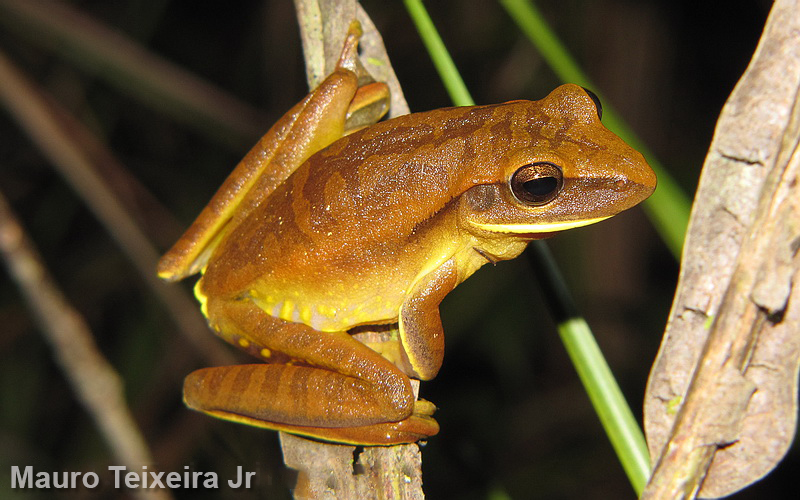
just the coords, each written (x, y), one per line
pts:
(339, 390)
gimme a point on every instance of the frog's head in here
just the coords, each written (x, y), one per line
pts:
(562, 169)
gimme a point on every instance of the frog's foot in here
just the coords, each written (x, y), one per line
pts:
(424, 408)
(410, 430)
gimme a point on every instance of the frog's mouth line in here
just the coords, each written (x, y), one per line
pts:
(553, 227)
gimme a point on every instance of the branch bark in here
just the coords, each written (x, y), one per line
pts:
(327, 470)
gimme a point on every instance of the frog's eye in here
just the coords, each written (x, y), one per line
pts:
(537, 183)
(597, 103)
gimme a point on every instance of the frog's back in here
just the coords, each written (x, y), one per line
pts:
(375, 185)
(354, 223)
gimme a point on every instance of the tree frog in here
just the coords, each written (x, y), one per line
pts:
(323, 229)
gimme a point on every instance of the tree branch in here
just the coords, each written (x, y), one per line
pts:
(327, 470)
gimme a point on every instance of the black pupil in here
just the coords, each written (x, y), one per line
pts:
(541, 186)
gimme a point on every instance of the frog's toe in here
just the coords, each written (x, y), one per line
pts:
(410, 430)
(418, 427)
(424, 408)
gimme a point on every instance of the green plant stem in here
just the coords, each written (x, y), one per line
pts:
(439, 55)
(609, 403)
(615, 415)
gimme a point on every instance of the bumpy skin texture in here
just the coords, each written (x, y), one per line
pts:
(312, 237)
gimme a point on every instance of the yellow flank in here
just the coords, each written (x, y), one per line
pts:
(305, 314)
(287, 310)
(265, 353)
(329, 312)
(244, 343)
(326, 311)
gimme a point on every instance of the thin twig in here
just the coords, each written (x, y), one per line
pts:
(37, 116)
(94, 380)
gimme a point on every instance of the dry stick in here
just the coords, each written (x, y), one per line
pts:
(64, 142)
(37, 116)
(750, 178)
(93, 379)
(326, 470)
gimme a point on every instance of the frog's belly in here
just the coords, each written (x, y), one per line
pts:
(331, 306)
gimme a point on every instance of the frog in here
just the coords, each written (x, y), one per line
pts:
(337, 221)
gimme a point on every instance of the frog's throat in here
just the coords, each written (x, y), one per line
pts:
(550, 227)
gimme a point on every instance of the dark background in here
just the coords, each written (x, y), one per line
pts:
(514, 417)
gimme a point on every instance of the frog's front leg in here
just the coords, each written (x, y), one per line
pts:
(420, 324)
(337, 389)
